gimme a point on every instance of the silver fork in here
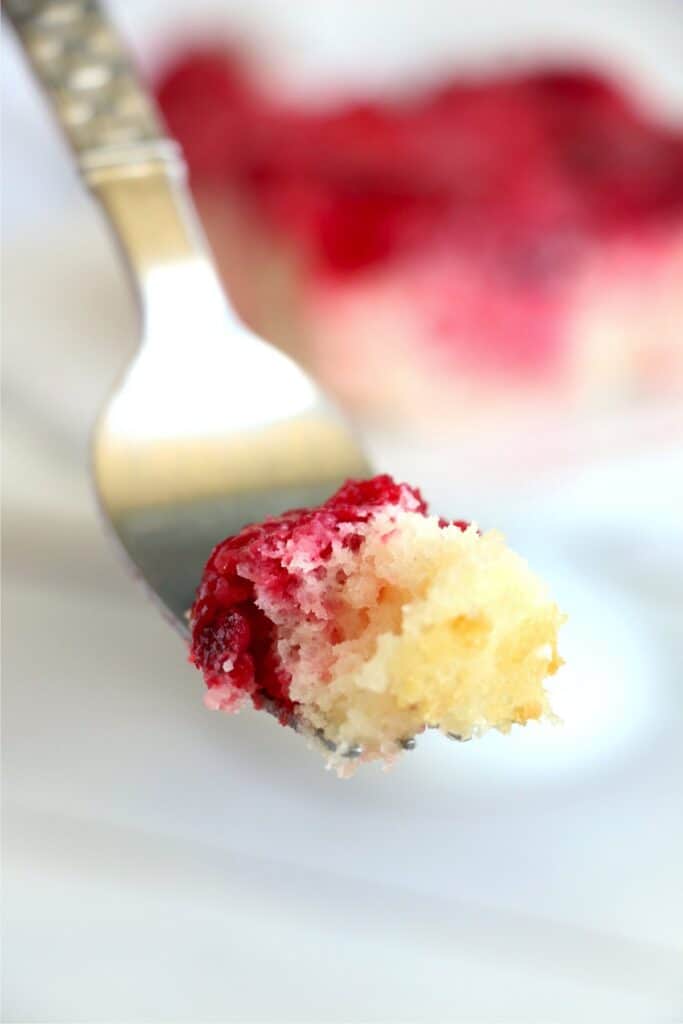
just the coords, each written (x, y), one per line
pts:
(211, 427)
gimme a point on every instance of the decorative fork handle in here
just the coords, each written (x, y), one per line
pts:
(85, 70)
(121, 150)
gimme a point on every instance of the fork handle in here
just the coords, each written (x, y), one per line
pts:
(122, 153)
(84, 68)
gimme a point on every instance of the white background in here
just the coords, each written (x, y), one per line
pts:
(165, 863)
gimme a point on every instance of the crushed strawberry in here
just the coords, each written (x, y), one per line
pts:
(500, 187)
(233, 640)
(363, 182)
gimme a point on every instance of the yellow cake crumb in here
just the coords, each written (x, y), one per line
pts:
(437, 628)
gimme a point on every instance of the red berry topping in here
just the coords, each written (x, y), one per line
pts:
(233, 639)
(497, 161)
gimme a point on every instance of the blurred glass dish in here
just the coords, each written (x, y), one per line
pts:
(493, 252)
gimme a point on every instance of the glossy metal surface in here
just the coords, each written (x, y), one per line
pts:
(211, 427)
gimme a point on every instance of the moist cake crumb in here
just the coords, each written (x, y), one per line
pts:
(366, 620)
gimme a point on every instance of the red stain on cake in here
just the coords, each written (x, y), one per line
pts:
(486, 204)
(497, 190)
(207, 100)
(233, 640)
(516, 154)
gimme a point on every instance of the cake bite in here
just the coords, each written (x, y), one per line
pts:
(366, 620)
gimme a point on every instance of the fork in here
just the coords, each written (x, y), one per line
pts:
(211, 427)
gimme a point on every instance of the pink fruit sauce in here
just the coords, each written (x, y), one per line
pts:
(482, 206)
(494, 164)
(233, 639)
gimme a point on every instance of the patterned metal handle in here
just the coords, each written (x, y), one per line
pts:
(106, 113)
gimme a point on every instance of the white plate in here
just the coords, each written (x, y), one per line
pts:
(164, 862)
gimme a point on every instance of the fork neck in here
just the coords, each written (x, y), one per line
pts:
(158, 232)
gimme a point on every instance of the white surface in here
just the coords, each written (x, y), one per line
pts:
(163, 862)
(166, 863)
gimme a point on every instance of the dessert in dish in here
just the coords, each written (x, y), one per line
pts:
(513, 240)
(366, 620)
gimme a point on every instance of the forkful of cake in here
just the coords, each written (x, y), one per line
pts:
(355, 617)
